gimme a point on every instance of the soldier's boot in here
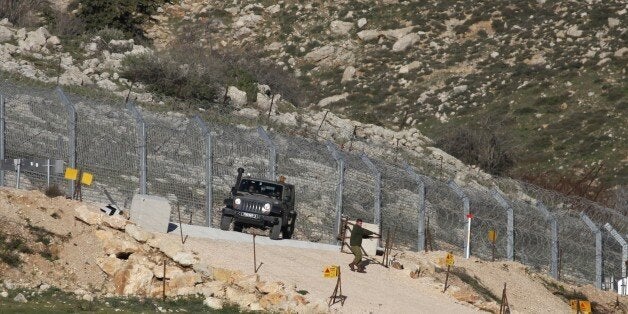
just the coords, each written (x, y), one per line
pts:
(352, 266)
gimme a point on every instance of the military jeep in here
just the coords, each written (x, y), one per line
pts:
(260, 203)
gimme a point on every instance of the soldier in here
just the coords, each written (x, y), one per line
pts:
(355, 244)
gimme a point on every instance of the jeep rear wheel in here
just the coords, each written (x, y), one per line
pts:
(225, 222)
(288, 230)
(276, 231)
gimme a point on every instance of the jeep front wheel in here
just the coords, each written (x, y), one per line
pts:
(225, 222)
(276, 231)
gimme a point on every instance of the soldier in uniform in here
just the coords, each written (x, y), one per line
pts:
(355, 244)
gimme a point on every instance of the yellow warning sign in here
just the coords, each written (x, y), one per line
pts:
(492, 236)
(331, 271)
(449, 259)
(585, 307)
(71, 173)
(87, 178)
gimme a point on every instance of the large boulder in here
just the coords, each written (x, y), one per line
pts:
(35, 40)
(406, 41)
(114, 245)
(138, 233)
(340, 27)
(238, 97)
(6, 34)
(134, 279)
(88, 215)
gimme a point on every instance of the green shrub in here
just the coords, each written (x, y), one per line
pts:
(23, 13)
(125, 15)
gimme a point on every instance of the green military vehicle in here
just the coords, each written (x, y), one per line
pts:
(260, 203)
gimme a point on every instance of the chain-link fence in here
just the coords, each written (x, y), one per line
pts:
(193, 163)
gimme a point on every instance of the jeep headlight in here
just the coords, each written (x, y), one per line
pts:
(266, 208)
(237, 202)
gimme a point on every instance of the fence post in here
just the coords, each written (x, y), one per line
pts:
(141, 144)
(209, 161)
(624, 247)
(510, 246)
(71, 132)
(598, 248)
(340, 161)
(377, 213)
(421, 222)
(2, 136)
(466, 209)
(272, 157)
(554, 245)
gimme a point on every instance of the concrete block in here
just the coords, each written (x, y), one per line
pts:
(368, 244)
(150, 212)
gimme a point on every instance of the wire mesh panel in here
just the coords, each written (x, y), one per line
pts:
(612, 256)
(313, 171)
(488, 215)
(400, 204)
(445, 217)
(106, 147)
(358, 198)
(36, 127)
(175, 149)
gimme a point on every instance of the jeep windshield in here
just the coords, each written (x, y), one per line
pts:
(261, 188)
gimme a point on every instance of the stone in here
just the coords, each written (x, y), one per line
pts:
(6, 34)
(255, 307)
(361, 22)
(270, 287)
(340, 27)
(239, 297)
(114, 245)
(213, 303)
(88, 215)
(121, 45)
(238, 97)
(203, 269)
(348, 74)
(137, 233)
(249, 113)
(110, 265)
(332, 99)
(115, 221)
(134, 279)
(4, 294)
(34, 40)
(460, 89)
(320, 53)
(226, 275)
(404, 42)
(288, 118)
(74, 76)
(250, 21)
(613, 22)
(20, 298)
(185, 258)
(183, 280)
(88, 297)
(107, 84)
(409, 67)
(212, 289)
(150, 212)
(53, 41)
(397, 33)
(573, 31)
(620, 53)
(5, 22)
(368, 35)
(271, 300)
(247, 283)
(171, 271)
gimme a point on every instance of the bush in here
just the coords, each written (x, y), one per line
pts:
(24, 13)
(480, 147)
(125, 15)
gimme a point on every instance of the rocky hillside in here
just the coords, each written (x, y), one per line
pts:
(50, 246)
(546, 78)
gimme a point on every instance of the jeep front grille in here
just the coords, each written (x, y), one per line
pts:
(252, 206)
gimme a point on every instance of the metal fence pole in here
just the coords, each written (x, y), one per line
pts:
(624, 247)
(2, 136)
(71, 132)
(510, 246)
(377, 199)
(272, 157)
(421, 205)
(598, 248)
(340, 160)
(465, 208)
(141, 144)
(209, 161)
(554, 245)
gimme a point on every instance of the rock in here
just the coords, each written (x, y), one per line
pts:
(114, 245)
(271, 300)
(573, 31)
(88, 215)
(135, 279)
(613, 22)
(20, 298)
(183, 280)
(247, 283)
(406, 41)
(74, 76)
(6, 34)
(137, 233)
(255, 307)
(361, 22)
(203, 270)
(44, 287)
(397, 33)
(264, 102)
(320, 53)
(247, 113)
(170, 248)
(348, 74)
(53, 41)
(238, 97)
(340, 27)
(241, 298)
(110, 265)
(409, 67)
(115, 221)
(212, 289)
(460, 89)
(120, 45)
(35, 40)
(5, 22)
(621, 53)
(171, 271)
(185, 258)
(4, 294)
(213, 303)
(88, 297)
(226, 275)
(289, 119)
(332, 99)
(368, 35)
(397, 265)
(270, 287)
(249, 21)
